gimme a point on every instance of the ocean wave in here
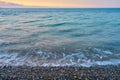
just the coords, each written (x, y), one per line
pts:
(59, 24)
(40, 58)
(32, 21)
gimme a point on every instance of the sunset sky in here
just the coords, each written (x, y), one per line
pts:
(67, 3)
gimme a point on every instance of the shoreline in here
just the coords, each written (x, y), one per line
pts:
(108, 72)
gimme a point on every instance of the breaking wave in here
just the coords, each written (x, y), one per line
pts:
(40, 58)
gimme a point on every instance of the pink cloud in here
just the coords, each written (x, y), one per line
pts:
(11, 5)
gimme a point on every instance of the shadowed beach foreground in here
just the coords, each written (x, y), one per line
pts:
(60, 73)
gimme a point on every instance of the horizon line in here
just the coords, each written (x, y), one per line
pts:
(58, 7)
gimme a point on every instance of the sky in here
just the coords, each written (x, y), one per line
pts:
(68, 3)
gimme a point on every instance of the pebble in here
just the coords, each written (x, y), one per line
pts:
(60, 73)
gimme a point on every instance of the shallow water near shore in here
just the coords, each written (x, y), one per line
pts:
(59, 37)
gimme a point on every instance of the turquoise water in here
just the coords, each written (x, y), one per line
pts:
(59, 37)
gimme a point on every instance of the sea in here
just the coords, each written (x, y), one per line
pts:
(59, 36)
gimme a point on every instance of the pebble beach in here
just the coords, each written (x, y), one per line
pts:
(60, 73)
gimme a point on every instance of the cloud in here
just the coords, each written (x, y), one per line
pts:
(10, 5)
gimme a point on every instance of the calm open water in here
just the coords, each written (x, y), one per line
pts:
(59, 37)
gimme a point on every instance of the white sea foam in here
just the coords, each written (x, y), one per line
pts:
(51, 59)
